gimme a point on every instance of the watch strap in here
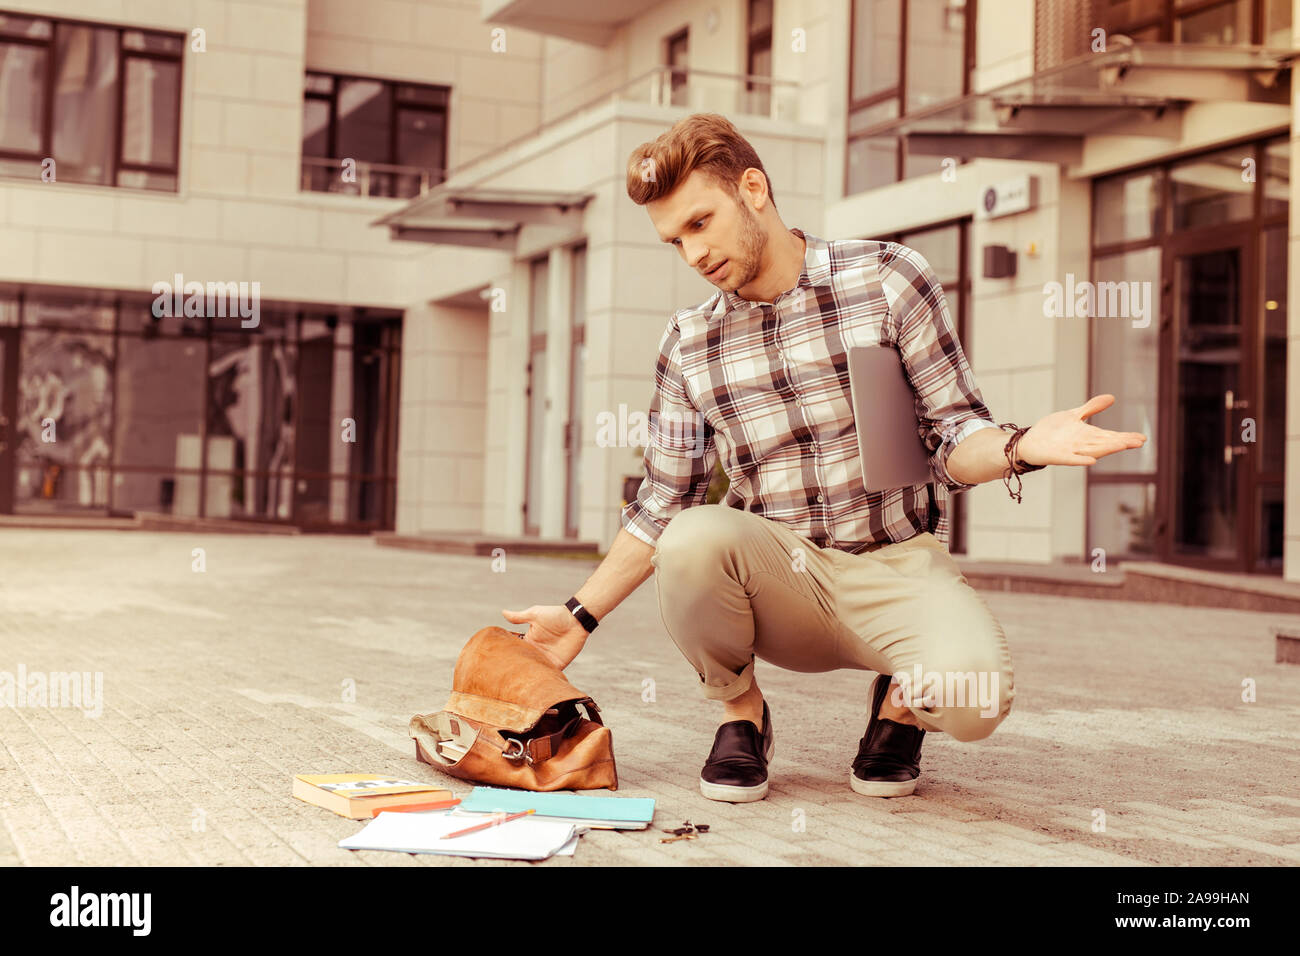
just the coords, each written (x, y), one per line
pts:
(585, 617)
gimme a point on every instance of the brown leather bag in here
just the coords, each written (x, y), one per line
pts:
(514, 720)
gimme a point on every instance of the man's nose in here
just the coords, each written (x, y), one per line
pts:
(696, 256)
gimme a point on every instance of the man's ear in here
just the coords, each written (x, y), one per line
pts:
(753, 189)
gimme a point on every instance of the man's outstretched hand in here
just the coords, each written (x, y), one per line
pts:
(553, 630)
(1064, 438)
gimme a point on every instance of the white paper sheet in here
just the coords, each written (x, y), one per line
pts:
(527, 838)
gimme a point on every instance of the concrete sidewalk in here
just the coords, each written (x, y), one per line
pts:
(219, 686)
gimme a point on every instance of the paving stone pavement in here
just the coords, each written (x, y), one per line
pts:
(220, 685)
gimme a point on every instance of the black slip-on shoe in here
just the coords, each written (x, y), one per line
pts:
(889, 753)
(736, 771)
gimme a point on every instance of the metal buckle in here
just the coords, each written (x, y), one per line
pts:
(521, 754)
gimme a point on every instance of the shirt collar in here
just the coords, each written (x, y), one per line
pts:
(815, 271)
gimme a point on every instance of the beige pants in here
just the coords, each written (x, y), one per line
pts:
(734, 585)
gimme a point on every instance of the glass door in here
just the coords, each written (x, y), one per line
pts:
(1208, 383)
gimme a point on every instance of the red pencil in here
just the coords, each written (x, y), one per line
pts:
(484, 826)
(442, 805)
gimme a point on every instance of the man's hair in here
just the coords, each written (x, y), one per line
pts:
(704, 141)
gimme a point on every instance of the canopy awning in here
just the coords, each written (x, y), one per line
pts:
(487, 218)
(1131, 89)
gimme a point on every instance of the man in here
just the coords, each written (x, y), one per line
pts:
(801, 565)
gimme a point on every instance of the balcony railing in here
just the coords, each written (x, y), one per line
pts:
(703, 91)
(700, 91)
(367, 179)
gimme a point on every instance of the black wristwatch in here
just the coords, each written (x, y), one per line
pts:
(584, 616)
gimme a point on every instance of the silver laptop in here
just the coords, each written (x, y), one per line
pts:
(884, 413)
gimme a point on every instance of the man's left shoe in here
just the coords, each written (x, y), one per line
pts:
(889, 753)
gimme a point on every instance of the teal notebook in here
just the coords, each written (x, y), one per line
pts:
(606, 813)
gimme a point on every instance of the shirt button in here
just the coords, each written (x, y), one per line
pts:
(819, 498)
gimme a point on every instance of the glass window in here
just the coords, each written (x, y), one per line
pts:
(157, 492)
(159, 404)
(1276, 176)
(375, 122)
(936, 44)
(1212, 189)
(941, 248)
(64, 413)
(248, 496)
(22, 96)
(1227, 23)
(1121, 519)
(63, 95)
(877, 32)
(272, 322)
(1126, 208)
(1125, 357)
(1277, 23)
(152, 42)
(15, 25)
(251, 385)
(1119, 12)
(149, 131)
(410, 94)
(315, 127)
(365, 108)
(420, 135)
(50, 487)
(874, 115)
(346, 501)
(924, 164)
(85, 104)
(873, 161)
(55, 311)
(137, 316)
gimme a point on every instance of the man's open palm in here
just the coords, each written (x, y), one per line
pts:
(1066, 438)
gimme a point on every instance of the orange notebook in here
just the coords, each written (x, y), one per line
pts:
(358, 795)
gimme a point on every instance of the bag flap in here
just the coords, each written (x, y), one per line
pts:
(505, 681)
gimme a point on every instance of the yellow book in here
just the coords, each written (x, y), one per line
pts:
(356, 795)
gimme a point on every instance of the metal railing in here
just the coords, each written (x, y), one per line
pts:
(700, 91)
(361, 178)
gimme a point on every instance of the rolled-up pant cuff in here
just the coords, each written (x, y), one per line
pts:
(733, 688)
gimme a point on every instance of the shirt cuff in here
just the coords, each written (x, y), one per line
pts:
(952, 436)
(638, 523)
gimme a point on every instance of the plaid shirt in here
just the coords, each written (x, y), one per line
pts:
(766, 386)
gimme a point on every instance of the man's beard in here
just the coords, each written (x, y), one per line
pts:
(753, 240)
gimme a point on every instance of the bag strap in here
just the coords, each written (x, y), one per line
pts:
(544, 748)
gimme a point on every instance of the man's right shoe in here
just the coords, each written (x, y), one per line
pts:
(736, 771)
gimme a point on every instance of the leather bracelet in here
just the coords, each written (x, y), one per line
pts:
(584, 616)
(1015, 465)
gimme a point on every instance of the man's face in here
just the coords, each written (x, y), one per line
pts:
(717, 234)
